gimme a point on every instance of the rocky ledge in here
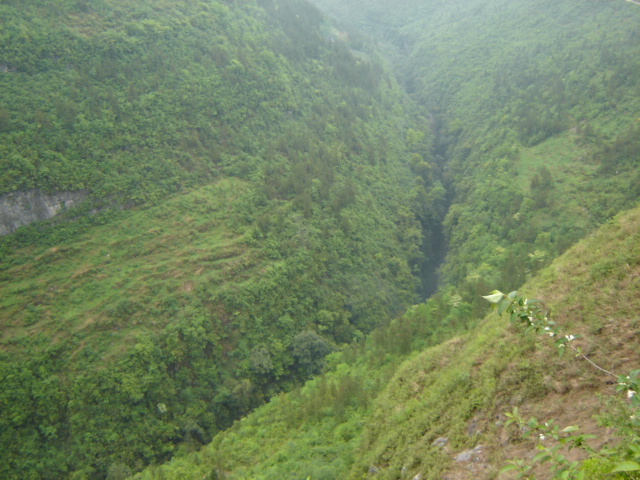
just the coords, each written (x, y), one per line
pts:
(22, 208)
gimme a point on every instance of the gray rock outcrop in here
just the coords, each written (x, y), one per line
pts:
(22, 208)
(473, 455)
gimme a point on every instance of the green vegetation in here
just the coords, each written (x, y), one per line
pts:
(551, 439)
(132, 102)
(264, 205)
(534, 108)
(416, 409)
(277, 192)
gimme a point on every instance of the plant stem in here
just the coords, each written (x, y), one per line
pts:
(585, 357)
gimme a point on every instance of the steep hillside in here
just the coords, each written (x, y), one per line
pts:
(258, 192)
(191, 88)
(535, 111)
(441, 412)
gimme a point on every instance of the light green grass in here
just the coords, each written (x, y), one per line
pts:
(146, 257)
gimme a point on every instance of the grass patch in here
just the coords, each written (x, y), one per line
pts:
(116, 274)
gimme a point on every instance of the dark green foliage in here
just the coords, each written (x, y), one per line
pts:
(184, 317)
(309, 350)
(317, 429)
(534, 111)
(171, 321)
(392, 402)
(141, 107)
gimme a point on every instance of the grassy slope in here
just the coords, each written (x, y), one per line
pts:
(102, 319)
(147, 256)
(458, 390)
(592, 290)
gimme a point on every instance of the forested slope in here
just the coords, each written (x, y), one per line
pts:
(258, 193)
(405, 403)
(532, 105)
(535, 110)
(261, 192)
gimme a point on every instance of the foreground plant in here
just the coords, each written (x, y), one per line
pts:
(532, 316)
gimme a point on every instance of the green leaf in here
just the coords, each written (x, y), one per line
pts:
(508, 468)
(570, 428)
(503, 305)
(542, 457)
(494, 297)
(626, 466)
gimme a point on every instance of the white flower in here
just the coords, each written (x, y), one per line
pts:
(571, 338)
(631, 393)
(542, 437)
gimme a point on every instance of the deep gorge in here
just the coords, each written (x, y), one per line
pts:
(293, 198)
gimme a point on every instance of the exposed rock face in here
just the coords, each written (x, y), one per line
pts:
(22, 208)
(474, 455)
(440, 442)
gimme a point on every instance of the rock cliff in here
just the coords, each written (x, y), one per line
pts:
(22, 208)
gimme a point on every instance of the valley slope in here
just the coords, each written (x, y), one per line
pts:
(264, 203)
(534, 107)
(252, 203)
(432, 412)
